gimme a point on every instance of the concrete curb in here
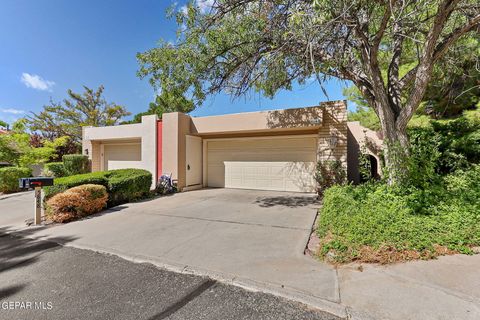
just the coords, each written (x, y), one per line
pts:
(333, 307)
(321, 304)
(251, 285)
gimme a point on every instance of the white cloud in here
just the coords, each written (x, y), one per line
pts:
(203, 5)
(36, 82)
(12, 111)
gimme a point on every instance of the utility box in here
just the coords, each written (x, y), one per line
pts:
(37, 183)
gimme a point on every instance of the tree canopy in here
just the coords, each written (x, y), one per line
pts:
(16, 147)
(240, 45)
(68, 117)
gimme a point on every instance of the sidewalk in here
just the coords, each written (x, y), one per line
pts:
(447, 288)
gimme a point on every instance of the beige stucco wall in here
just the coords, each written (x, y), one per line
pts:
(94, 137)
(275, 120)
(334, 124)
(357, 136)
(326, 119)
(175, 127)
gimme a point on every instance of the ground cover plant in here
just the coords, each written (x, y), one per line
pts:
(436, 211)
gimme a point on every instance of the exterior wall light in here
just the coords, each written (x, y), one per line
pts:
(86, 152)
(332, 141)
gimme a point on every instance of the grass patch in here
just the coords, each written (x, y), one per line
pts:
(377, 223)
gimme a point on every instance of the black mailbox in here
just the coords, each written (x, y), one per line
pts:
(26, 183)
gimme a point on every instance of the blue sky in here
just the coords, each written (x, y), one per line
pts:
(50, 46)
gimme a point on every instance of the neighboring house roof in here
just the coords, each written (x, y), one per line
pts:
(360, 133)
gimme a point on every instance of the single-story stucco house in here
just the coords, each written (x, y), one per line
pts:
(265, 150)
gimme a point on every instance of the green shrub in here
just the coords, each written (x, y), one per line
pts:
(329, 173)
(127, 185)
(76, 202)
(123, 185)
(9, 178)
(54, 169)
(457, 143)
(64, 183)
(378, 223)
(75, 163)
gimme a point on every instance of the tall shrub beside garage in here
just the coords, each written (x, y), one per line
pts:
(126, 185)
(75, 163)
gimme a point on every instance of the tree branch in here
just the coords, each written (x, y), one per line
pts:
(424, 69)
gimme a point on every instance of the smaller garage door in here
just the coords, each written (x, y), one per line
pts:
(122, 156)
(282, 164)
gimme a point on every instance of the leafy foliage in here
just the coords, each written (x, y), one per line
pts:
(436, 211)
(455, 87)
(75, 164)
(455, 142)
(123, 185)
(16, 148)
(366, 116)
(127, 185)
(54, 169)
(329, 173)
(68, 117)
(76, 203)
(9, 178)
(378, 223)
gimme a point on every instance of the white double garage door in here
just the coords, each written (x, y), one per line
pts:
(275, 163)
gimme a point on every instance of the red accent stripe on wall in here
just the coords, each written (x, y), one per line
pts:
(159, 149)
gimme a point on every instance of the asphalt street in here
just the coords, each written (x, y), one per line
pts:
(42, 280)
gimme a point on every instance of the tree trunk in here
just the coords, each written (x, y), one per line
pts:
(396, 144)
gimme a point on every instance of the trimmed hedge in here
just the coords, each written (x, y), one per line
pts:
(9, 178)
(55, 169)
(123, 185)
(75, 163)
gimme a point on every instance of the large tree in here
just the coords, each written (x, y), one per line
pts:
(267, 45)
(67, 118)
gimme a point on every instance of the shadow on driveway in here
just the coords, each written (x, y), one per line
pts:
(18, 250)
(287, 201)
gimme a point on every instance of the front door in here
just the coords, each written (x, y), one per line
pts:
(193, 160)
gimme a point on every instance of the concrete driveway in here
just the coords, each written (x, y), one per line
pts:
(15, 208)
(251, 238)
(256, 239)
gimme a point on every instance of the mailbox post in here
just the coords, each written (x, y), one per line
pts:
(38, 205)
(37, 183)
